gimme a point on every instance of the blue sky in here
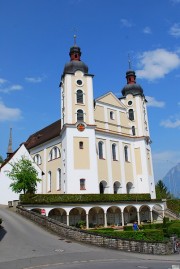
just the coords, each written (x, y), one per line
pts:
(34, 46)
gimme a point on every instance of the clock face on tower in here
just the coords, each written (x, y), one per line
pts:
(81, 127)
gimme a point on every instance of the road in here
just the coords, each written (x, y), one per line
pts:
(25, 245)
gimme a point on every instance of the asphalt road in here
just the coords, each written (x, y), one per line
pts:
(25, 245)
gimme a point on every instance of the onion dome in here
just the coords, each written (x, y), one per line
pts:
(132, 87)
(75, 62)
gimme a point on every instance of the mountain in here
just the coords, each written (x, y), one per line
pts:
(172, 180)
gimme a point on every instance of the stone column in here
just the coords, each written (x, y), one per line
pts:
(151, 215)
(138, 216)
(87, 221)
(122, 218)
(67, 220)
(105, 220)
(163, 213)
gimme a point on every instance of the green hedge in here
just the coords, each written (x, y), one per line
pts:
(174, 228)
(174, 205)
(147, 235)
(80, 198)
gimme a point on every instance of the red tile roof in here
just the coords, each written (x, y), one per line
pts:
(44, 135)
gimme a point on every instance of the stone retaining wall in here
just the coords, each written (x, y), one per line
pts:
(101, 241)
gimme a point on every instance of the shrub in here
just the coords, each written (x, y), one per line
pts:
(174, 228)
(148, 235)
(128, 228)
(80, 198)
(80, 224)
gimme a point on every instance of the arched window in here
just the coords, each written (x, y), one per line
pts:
(82, 184)
(58, 184)
(49, 181)
(129, 187)
(100, 150)
(81, 145)
(131, 114)
(114, 153)
(126, 155)
(54, 153)
(111, 115)
(133, 130)
(116, 187)
(79, 96)
(80, 115)
(37, 159)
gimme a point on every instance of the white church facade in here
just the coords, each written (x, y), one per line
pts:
(99, 146)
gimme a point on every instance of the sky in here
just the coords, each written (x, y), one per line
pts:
(35, 38)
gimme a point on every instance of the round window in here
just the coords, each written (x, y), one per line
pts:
(79, 82)
(129, 103)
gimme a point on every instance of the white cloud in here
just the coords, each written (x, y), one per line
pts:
(175, 1)
(147, 30)
(154, 103)
(172, 122)
(126, 23)
(15, 87)
(2, 80)
(163, 161)
(34, 79)
(9, 114)
(157, 63)
(175, 30)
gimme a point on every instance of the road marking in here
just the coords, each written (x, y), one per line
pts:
(59, 250)
(142, 266)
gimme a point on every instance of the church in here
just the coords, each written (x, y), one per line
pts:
(99, 146)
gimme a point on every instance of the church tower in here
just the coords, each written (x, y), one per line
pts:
(135, 101)
(79, 167)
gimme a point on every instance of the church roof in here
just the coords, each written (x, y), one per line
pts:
(51, 131)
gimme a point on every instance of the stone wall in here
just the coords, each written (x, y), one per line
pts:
(101, 241)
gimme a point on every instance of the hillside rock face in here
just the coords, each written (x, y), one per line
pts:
(172, 180)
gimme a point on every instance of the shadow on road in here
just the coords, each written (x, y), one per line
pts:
(2, 232)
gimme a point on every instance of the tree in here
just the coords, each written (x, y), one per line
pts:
(1, 159)
(24, 176)
(162, 191)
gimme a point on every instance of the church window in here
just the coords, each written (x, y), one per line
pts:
(81, 146)
(54, 153)
(79, 96)
(111, 115)
(114, 153)
(133, 130)
(82, 184)
(79, 82)
(58, 179)
(49, 181)
(126, 153)
(101, 150)
(131, 114)
(37, 159)
(80, 115)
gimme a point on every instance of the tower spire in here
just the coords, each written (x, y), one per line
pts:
(10, 151)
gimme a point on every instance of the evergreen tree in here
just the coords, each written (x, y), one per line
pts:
(24, 176)
(162, 191)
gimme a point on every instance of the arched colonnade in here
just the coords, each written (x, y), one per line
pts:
(104, 215)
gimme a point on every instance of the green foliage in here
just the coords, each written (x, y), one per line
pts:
(174, 205)
(24, 176)
(80, 224)
(174, 228)
(162, 191)
(148, 235)
(128, 228)
(81, 198)
(1, 159)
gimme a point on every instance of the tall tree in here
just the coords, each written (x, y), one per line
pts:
(24, 176)
(162, 191)
(1, 159)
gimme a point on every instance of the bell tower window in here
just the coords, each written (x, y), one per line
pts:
(131, 114)
(79, 96)
(80, 115)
